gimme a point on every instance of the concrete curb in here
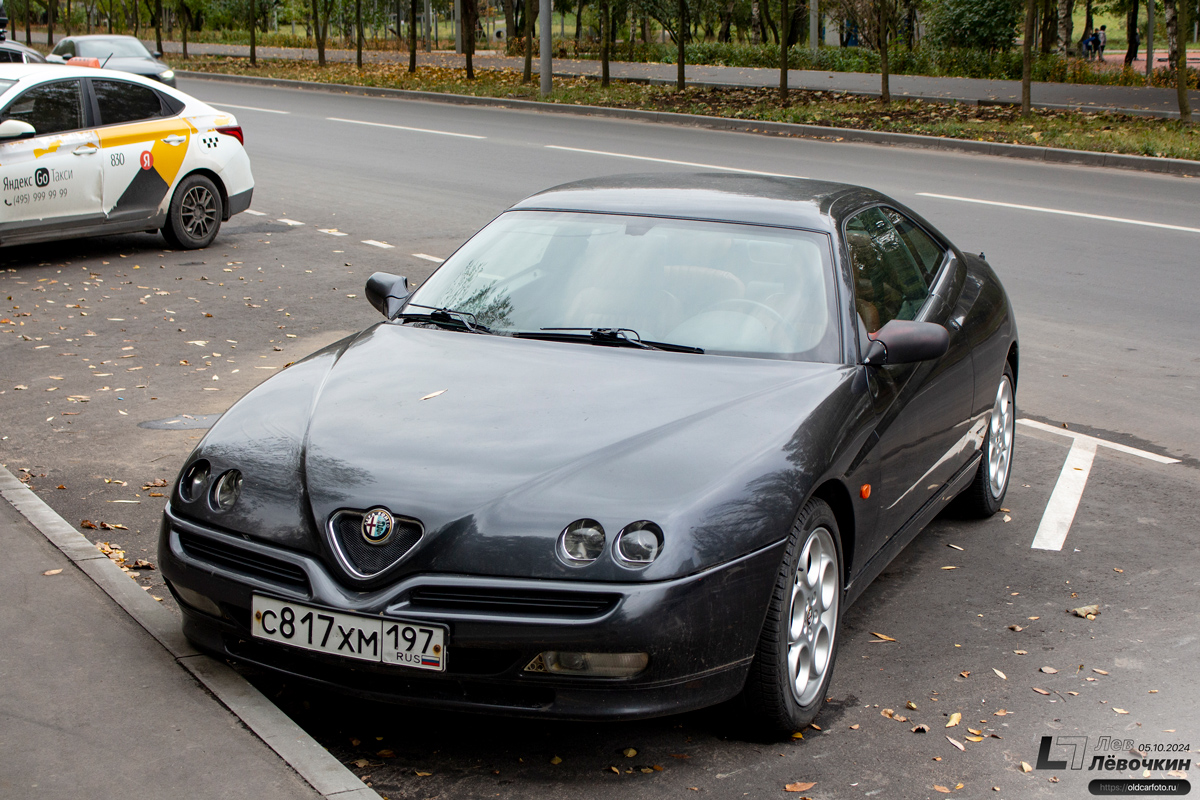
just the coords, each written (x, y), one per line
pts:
(328, 776)
(1088, 158)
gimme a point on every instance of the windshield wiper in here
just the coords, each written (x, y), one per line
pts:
(447, 318)
(616, 337)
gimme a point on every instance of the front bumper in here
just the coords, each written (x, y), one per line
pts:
(699, 631)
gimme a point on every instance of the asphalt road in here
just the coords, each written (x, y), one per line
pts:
(1104, 304)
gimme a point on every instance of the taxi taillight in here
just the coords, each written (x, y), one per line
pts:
(233, 130)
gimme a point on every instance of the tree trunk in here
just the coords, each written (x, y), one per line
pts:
(757, 32)
(412, 35)
(253, 28)
(470, 13)
(28, 12)
(681, 40)
(578, 23)
(1064, 26)
(530, 12)
(184, 24)
(1027, 58)
(51, 7)
(885, 89)
(510, 21)
(1049, 33)
(1088, 19)
(605, 24)
(158, 11)
(358, 33)
(726, 22)
(1172, 16)
(1181, 73)
(765, 9)
(784, 20)
(1131, 34)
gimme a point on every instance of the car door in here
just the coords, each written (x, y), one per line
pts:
(923, 409)
(144, 144)
(52, 180)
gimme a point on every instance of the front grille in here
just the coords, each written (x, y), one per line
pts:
(371, 559)
(242, 560)
(513, 601)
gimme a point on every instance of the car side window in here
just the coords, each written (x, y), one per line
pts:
(8, 56)
(65, 49)
(49, 108)
(120, 101)
(890, 281)
(927, 252)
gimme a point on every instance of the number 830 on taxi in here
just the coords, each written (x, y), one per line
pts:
(86, 152)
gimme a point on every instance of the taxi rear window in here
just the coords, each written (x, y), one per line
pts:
(119, 101)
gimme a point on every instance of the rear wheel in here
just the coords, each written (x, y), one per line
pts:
(796, 650)
(194, 216)
(985, 495)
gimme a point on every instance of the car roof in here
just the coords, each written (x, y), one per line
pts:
(9, 44)
(749, 198)
(32, 72)
(96, 36)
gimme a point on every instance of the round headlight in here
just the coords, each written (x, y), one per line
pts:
(582, 541)
(639, 543)
(166, 76)
(191, 485)
(225, 492)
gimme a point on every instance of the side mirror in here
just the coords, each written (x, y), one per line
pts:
(158, 54)
(12, 130)
(904, 342)
(388, 293)
(55, 59)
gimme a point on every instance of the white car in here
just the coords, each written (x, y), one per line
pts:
(88, 153)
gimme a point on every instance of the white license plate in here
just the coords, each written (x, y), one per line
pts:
(389, 641)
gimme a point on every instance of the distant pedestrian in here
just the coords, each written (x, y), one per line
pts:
(1102, 35)
(1085, 45)
(1135, 41)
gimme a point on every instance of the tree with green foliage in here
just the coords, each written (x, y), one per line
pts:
(980, 24)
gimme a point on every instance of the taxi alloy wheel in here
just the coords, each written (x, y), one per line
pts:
(793, 665)
(195, 214)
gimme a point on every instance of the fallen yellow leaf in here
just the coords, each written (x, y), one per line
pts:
(955, 718)
(799, 786)
(1000, 674)
(883, 637)
(556, 760)
(1025, 767)
(52, 572)
(629, 752)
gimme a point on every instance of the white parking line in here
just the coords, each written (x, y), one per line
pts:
(250, 108)
(1064, 213)
(1068, 491)
(254, 213)
(332, 231)
(374, 243)
(405, 128)
(670, 161)
(428, 257)
(287, 221)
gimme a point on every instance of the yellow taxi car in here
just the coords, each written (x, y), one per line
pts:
(88, 153)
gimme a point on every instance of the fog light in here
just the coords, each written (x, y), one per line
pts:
(191, 485)
(197, 600)
(639, 543)
(596, 665)
(227, 489)
(581, 542)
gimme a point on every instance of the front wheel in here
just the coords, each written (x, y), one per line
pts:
(796, 650)
(985, 495)
(194, 216)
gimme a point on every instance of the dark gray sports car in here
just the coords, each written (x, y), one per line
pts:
(632, 449)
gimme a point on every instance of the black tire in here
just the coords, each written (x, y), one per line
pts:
(985, 495)
(195, 214)
(781, 693)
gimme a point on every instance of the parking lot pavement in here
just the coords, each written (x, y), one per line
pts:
(93, 707)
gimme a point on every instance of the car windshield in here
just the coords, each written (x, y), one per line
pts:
(117, 48)
(723, 288)
(5, 85)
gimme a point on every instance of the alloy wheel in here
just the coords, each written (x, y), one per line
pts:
(1001, 438)
(198, 211)
(812, 616)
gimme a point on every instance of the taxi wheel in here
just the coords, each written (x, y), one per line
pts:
(195, 214)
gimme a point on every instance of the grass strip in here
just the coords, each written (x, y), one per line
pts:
(1074, 130)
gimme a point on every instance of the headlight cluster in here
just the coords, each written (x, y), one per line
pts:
(636, 545)
(222, 493)
(166, 76)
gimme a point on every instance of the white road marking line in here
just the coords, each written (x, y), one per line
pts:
(1064, 500)
(249, 108)
(1133, 451)
(428, 257)
(374, 243)
(405, 128)
(332, 231)
(254, 213)
(670, 161)
(1068, 491)
(1064, 213)
(287, 221)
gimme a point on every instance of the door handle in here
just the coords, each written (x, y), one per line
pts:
(175, 140)
(86, 150)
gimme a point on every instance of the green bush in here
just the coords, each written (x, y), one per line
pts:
(988, 25)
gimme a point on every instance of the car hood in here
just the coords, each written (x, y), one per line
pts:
(136, 65)
(496, 444)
